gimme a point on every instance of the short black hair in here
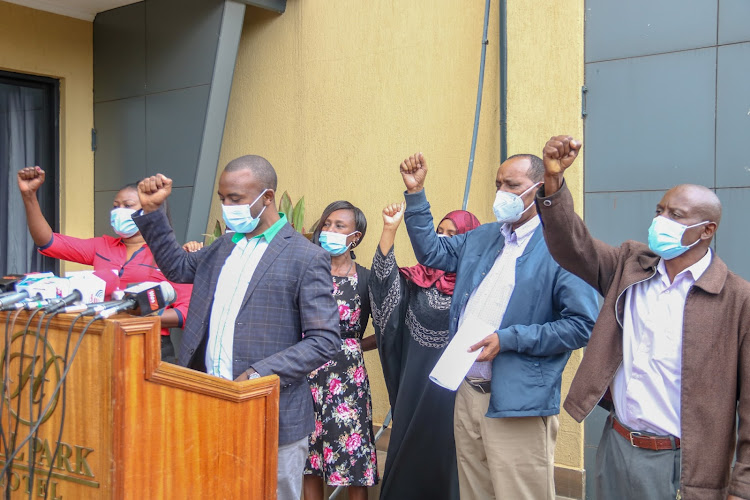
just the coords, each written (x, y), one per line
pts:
(261, 168)
(536, 166)
(360, 221)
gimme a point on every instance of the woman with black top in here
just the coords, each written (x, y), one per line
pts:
(342, 446)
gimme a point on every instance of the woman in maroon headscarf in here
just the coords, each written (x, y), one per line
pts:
(410, 311)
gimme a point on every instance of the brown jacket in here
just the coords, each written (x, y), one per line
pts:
(715, 349)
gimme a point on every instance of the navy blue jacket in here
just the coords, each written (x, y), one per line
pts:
(551, 312)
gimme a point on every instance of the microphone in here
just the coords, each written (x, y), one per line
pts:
(147, 297)
(89, 309)
(7, 302)
(65, 301)
(36, 303)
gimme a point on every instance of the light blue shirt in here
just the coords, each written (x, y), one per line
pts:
(231, 288)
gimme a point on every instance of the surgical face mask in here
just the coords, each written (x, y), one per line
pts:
(508, 207)
(665, 237)
(444, 235)
(239, 218)
(334, 243)
(122, 222)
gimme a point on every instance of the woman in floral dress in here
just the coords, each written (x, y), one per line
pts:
(342, 446)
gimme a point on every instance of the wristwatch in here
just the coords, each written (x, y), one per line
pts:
(253, 375)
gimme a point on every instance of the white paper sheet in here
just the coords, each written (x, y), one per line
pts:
(455, 362)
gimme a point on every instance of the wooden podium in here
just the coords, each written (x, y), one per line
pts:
(133, 426)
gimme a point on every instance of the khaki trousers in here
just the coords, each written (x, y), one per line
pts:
(505, 458)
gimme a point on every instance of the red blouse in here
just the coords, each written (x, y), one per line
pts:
(108, 253)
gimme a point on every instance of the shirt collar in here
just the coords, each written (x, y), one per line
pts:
(521, 233)
(696, 270)
(268, 234)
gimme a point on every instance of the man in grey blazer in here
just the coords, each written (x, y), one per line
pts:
(263, 300)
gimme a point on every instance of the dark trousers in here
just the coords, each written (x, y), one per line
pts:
(629, 473)
(167, 350)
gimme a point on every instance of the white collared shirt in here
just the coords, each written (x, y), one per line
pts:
(230, 292)
(647, 386)
(490, 299)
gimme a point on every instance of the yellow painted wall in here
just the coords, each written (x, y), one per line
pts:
(336, 93)
(545, 75)
(40, 43)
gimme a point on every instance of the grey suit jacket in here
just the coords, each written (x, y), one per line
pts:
(288, 324)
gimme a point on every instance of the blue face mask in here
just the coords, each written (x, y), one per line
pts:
(334, 243)
(665, 237)
(122, 222)
(239, 218)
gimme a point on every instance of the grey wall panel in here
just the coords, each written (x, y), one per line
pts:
(102, 207)
(179, 206)
(651, 121)
(733, 115)
(616, 29)
(216, 114)
(616, 217)
(174, 124)
(734, 21)
(733, 239)
(120, 53)
(120, 156)
(181, 41)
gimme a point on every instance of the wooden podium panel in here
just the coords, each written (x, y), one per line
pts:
(133, 426)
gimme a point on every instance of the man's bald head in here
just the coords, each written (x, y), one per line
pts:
(700, 199)
(261, 169)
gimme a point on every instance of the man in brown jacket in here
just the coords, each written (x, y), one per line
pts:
(669, 344)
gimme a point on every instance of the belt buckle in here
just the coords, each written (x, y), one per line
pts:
(633, 435)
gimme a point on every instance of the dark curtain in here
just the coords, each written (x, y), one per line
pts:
(28, 137)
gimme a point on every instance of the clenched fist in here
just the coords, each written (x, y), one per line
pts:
(414, 171)
(559, 153)
(392, 215)
(29, 180)
(152, 191)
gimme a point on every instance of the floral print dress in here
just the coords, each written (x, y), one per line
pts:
(342, 446)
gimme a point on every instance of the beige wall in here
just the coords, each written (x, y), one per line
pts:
(40, 43)
(335, 94)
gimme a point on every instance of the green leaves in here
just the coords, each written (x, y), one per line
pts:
(298, 217)
(285, 206)
(294, 214)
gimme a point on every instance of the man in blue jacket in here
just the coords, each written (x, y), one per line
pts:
(506, 408)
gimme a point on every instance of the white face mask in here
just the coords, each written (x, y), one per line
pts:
(508, 207)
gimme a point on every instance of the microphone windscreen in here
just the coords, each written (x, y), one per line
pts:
(168, 292)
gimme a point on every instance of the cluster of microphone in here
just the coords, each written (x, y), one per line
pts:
(143, 298)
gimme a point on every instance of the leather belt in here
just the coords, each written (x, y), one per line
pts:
(646, 442)
(481, 386)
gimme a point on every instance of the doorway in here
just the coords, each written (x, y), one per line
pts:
(29, 135)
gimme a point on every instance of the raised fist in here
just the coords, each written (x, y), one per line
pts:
(29, 180)
(152, 191)
(413, 171)
(559, 153)
(393, 214)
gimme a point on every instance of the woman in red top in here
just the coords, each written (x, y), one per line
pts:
(127, 257)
